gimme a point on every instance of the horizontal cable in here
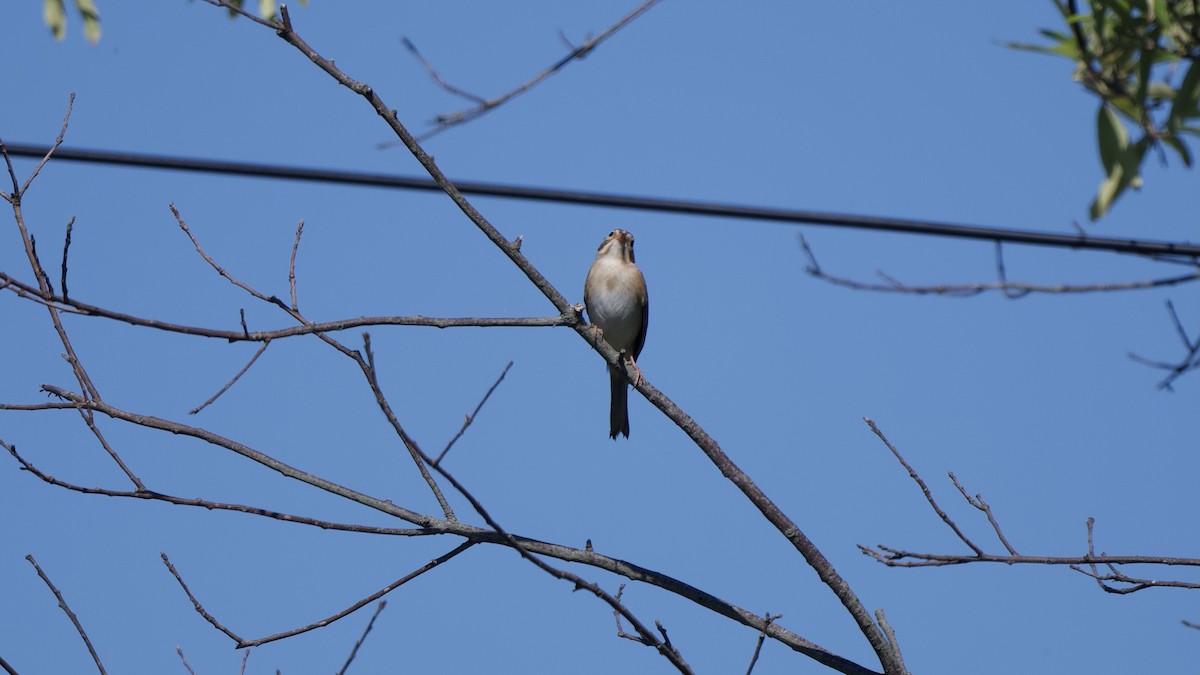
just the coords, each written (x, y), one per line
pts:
(1079, 241)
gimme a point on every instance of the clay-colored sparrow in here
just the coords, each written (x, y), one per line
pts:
(615, 295)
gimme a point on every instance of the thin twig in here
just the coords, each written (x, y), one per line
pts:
(664, 647)
(1011, 289)
(420, 459)
(62, 132)
(215, 506)
(229, 384)
(12, 175)
(768, 619)
(152, 422)
(977, 502)
(481, 105)
(243, 642)
(196, 603)
(358, 643)
(179, 651)
(924, 488)
(1190, 361)
(292, 266)
(368, 370)
(471, 418)
(27, 292)
(66, 247)
(888, 631)
(70, 615)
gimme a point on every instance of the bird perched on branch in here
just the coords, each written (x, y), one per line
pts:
(615, 295)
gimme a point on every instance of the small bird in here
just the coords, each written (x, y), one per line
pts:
(615, 295)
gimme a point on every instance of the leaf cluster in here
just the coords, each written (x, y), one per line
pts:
(1142, 59)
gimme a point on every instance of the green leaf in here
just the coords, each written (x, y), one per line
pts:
(266, 9)
(55, 17)
(1187, 100)
(91, 19)
(1180, 147)
(1124, 173)
(1112, 137)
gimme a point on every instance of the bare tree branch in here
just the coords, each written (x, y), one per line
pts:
(471, 418)
(1190, 361)
(72, 305)
(62, 602)
(768, 619)
(894, 557)
(924, 488)
(186, 665)
(66, 247)
(1011, 289)
(358, 643)
(243, 642)
(484, 105)
(230, 383)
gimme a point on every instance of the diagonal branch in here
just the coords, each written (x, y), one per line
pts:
(924, 488)
(481, 105)
(894, 557)
(471, 418)
(62, 602)
(27, 292)
(1011, 289)
(358, 643)
(244, 643)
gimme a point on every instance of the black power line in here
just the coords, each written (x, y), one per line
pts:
(1080, 241)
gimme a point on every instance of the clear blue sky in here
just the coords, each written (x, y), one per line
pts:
(905, 110)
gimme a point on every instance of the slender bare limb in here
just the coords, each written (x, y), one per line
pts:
(366, 366)
(646, 637)
(768, 619)
(45, 292)
(151, 495)
(66, 247)
(1190, 361)
(74, 306)
(13, 671)
(481, 105)
(471, 418)
(358, 643)
(292, 267)
(1011, 289)
(977, 502)
(196, 603)
(62, 602)
(420, 459)
(230, 383)
(179, 651)
(894, 557)
(924, 488)
(62, 132)
(151, 422)
(243, 642)
(12, 175)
